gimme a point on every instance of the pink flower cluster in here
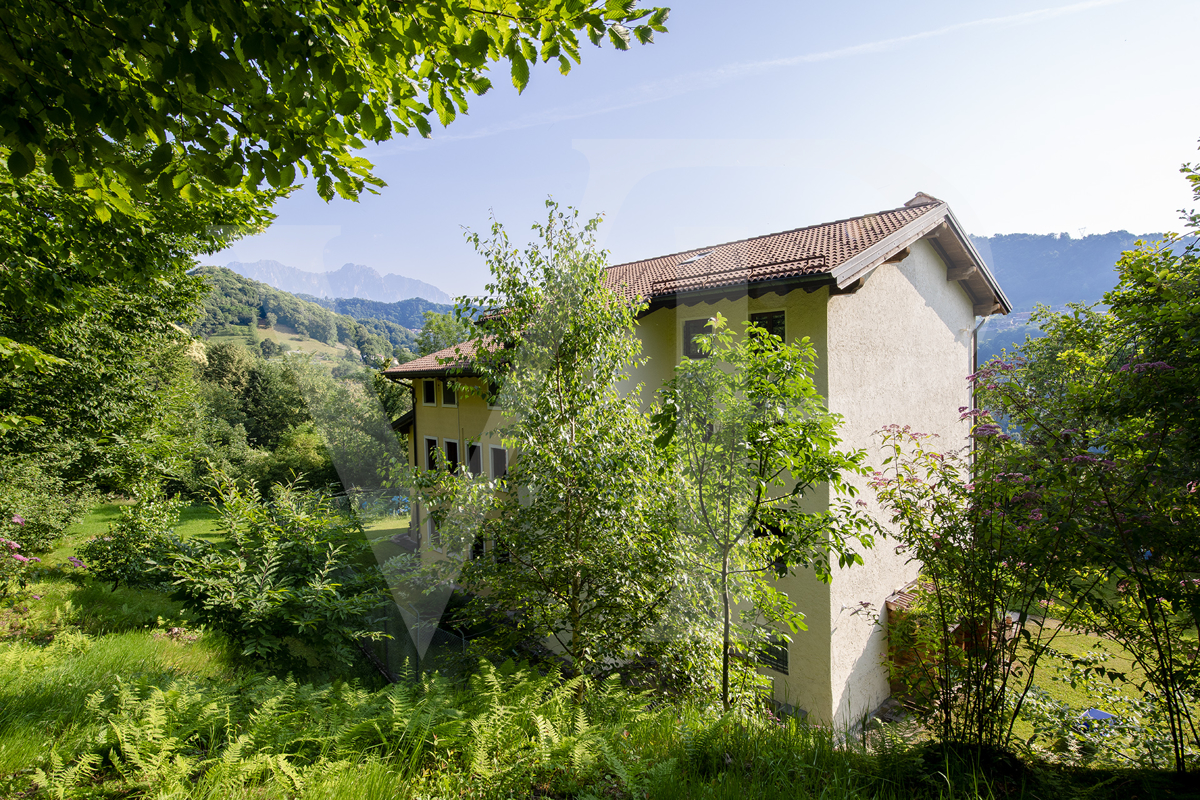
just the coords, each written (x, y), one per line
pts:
(13, 548)
(1138, 369)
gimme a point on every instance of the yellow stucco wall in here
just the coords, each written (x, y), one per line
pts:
(469, 421)
(899, 352)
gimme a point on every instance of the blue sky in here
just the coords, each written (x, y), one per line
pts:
(749, 118)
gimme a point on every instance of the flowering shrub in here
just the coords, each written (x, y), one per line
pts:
(15, 567)
(45, 504)
(128, 554)
(991, 535)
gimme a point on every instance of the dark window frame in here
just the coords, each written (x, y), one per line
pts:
(690, 332)
(776, 322)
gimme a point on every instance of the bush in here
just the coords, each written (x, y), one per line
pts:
(46, 503)
(14, 566)
(134, 546)
(298, 585)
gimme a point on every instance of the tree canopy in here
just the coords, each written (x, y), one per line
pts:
(224, 93)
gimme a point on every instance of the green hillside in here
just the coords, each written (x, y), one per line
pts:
(238, 308)
(409, 313)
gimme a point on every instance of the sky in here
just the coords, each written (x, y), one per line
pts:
(750, 118)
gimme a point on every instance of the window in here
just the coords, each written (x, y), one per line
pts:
(773, 322)
(475, 459)
(477, 548)
(451, 455)
(775, 654)
(429, 397)
(499, 462)
(448, 396)
(493, 396)
(691, 329)
(434, 536)
(430, 452)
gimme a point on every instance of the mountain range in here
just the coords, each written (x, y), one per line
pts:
(1050, 269)
(351, 280)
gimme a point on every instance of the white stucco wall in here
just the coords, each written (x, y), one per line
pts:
(898, 352)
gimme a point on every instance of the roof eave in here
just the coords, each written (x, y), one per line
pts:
(981, 265)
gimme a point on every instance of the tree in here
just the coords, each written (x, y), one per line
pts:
(579, 528)
(113, 416)
(441, 331)
(126, 123)
(214, 94)
(1112, 397)
(752, 439)
(62, 263)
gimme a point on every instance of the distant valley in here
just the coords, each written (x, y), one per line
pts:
(351, 280)
(1051, 269)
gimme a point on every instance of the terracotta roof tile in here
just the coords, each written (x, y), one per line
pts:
(812, 251)
(439, 363)
(815, 250)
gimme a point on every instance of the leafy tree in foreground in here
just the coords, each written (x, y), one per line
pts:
(579, 532)
(1113, 398)
(223, 94)
(753, 442)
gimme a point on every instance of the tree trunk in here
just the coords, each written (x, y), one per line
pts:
(725, 631)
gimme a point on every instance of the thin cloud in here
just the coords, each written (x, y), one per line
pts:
(656, 91)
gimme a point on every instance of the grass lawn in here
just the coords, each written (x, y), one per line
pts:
(281, 334)
(196, 520)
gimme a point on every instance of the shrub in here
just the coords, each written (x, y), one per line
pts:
(135, 543)
(297, 586)
(46, 503)
(14, 565)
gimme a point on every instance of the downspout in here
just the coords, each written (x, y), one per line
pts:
(975, 355)
(974, 369)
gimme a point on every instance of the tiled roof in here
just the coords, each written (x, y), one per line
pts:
(815, 250)
(440, 363)
(812, 252)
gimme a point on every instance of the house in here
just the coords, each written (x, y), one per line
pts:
(890, 301)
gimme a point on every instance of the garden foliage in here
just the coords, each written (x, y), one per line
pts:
(297, 586)
(142, 538)
(45, 502)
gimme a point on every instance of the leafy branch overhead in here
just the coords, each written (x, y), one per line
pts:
(220, 93)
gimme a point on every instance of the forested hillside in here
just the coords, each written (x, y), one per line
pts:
(1050, 269)
(409, 313)
(235, 300)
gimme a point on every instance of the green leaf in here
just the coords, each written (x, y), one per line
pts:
(520, 72)
(62, 172)
(18, 164)
(191, 193)
(348, 102)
